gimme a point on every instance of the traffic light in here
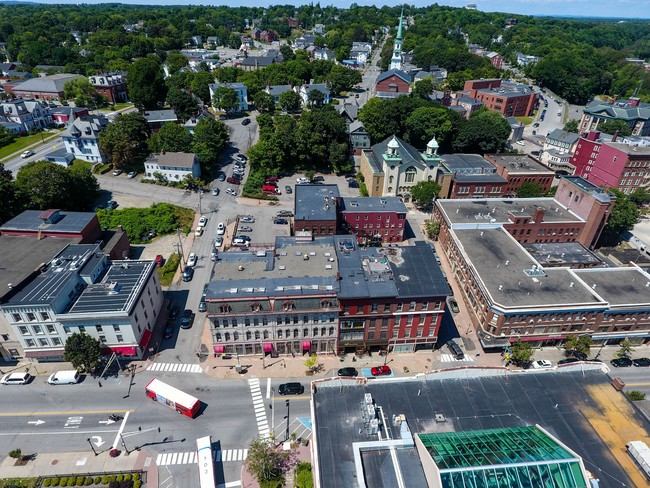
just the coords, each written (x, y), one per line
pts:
(287, 403)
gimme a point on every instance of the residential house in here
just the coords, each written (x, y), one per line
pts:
(212, 42)
(324, 55)
(157, 118)
(304, 41)
(305, 90)
(276, 90)
(110, 85)
(360, 52)
(253, 63)
(633, 112)
(196, 40)
(256, 34)
(172, 166)
(240, 90)
(268, 36)
(359, 137)
(319, 29)
(349, 111)
(558, 150)
(44, 88)
(7, 67)
(392, 83)
(62, 115)
(29, 115)
(81, 138)
(393, 166)
(496, 59)
(191, 124)
(293, 23)
(524, 59)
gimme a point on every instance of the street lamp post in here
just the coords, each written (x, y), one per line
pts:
(272, 410)
(126, 450)
(287, 431)
(92, 446)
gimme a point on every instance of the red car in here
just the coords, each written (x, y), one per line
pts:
(272, 179)
(380, 371)
(234, 181)
(159, 260)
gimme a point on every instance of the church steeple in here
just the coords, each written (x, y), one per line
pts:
(396, 60)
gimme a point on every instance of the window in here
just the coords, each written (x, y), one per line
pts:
(102, 339)
(425, 305)
(295, 333)
(17, 317)
(400, 306)
(374, 307)
(45, 316)
(305, 332)
(66, 329)
(100, 328)
(120, 338)
(409, 175)
(31, 317)
(30, 343)
(82, 328)
(38, 330)
(279, 333)
(412, 306)
(24, 330)
(56, 341)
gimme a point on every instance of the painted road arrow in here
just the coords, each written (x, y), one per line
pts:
(97, 442)
(36, 422)
(107, 422)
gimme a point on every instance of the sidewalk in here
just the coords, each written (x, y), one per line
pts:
(46, 139)
(81, 463)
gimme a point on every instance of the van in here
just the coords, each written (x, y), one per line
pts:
(64, 378)
(455, 350)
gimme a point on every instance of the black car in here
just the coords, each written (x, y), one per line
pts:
(641, 362)
(202, 306)
(245, 121)
(188, 273)
(187, 319)
(205, 290)
(621, 362)
(221, 176)
(348, 372)
(291, 389)
(568, 361)
(455, 350)
(169, 329)
(284, 213)
(174, 312)
(281, 221)
(577, 354)
(353, 184)
(111, 205)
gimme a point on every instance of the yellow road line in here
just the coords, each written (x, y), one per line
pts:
(71, 412)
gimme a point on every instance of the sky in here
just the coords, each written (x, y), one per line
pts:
(582, 8)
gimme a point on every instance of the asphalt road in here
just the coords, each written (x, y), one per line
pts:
(16, 163)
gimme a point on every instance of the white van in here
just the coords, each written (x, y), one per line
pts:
(64, 378)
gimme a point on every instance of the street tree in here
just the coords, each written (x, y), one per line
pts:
(146, 85)
(611, 126)
(625, 349)
(530, 189)
(428, 122)
(312, 362)
(266, 462)
(171, 138)
(9, 196)
(577, 343)
(571, 126)
(125, 140)
(225, 99)
(423, 88)
(424, 192)
(83, 93)
(640, 196)
(264, 102)
(624, 216)
(290, 102)
(521, 352)
(210, 139)
(82, 351)
(183, 103)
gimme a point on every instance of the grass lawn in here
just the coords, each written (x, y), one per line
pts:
(78, 163)
(524, 120)
(22, 142)
(120, 106)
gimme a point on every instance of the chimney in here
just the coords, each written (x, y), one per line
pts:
(615, 136)
(593, 135)
(539, 215)
(634, 102)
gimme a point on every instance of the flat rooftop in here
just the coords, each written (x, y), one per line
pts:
(515, 280)
(496, 210)
(21, 256)
(620, 287)
(372, 204)
(30, 221)
(586, 186)
(467, 163)
(315, 202)
(519, 164)
(579, 408)
(641, 151)
(479, 178)
(570, 254)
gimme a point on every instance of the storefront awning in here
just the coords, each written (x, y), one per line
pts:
(43, 354)
(120, 351)
(219, 349)
(619, 335)
(268, 347)
(538, 338)
(145, 338)
(306, 345)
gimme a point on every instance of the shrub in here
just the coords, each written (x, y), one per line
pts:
(111, 478)
(137, 484)
(63, 481)
(88, 481)
(105, 480)
(80, 481)
(635, 395)
(16, 453)
(136, 476)
(54, 482)
(72, 481)
(47, 482)
(119, 478)
(127, 477)
(98, 480)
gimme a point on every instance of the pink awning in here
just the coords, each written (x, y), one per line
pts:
(268, 347)
(120, 351)
(219, 349)
(306, 345)
(538, 338)
(145, 338)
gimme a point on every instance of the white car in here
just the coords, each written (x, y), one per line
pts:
(520, 143)
(27, 154)
(542, 364)
(215, 192)
(191, 260)
(302, 181)
(203, 221)
(198, 232)
(218, 242)
(132, 174)
(232, 192)
(15, 379)
(221, 229)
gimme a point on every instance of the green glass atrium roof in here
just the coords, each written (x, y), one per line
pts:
(515, 457)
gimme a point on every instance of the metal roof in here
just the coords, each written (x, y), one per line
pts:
(47, 84)
(372, 204)
(29, 220)
(315, 202)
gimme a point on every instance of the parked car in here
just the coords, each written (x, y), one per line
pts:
(576, 354)
(27, 154)
(111, 205)
(198, 232)
(244, 228)
(232, 192)
(117, 172)
(353, 184)
(187, 319)
(174, 312)
(288, 189)
(291, 389)
(188, 273)
(280, 221)
(622, 362)
(132, 174)
(160, 260)
(380, 371)
(241, 157)
(348, 372)
(202, 306)
(641, 362)
(221, 229)
(191, 260)
(455, 350)
(234, 181)
(169, 330)
(272, 179)
(18, 378)
(284, 213)
(247, 219)
(453, 305)
(214, 255)
(542, 364)
(239, 242)
(244, 237)
(568, 361)
(203, 221)
(245, 121)
(218, 242)
(221, 176)
(520, 143)
(302, 181)
(215, 192)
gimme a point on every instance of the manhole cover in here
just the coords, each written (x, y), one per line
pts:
(55, 461)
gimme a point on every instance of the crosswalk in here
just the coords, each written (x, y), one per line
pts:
(176, 367)
(260, 407)
(448, 358)
(220, 456)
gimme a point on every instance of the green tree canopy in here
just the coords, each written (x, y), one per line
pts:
(264, 102)
(200, 85)
(83, 93)
(171, 138)
(484, 132)
(6, 136)
(611, 126)
(424, 192)
(341, 79)
(225, 99)
(623, 217)
(125, 140)
(9, 196)
(184, 104)
(82, 351)
(530, 189)
(146, 85)
(423, 88)
(315, 98)
(428, 122)
(210, 139)
(571, 126)
(290, 102)
(175, 61)
(522, 352)
(266, 462)
(577, 343)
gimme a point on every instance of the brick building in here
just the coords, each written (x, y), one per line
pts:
(373, 220)
(44, 87)
(633, 112)
(110, 85)
(316, 209)
(518, 169)
(510, 99)
(469, 176)
(83, 226)
(392, 83)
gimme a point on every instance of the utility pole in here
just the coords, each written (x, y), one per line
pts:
(130, 434)
(287, 431)
(180, 246)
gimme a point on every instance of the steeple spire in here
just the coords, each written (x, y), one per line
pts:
(396, 60)
(401, 22)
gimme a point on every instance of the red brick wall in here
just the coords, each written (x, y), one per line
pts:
(316, 227)
(401, 85)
